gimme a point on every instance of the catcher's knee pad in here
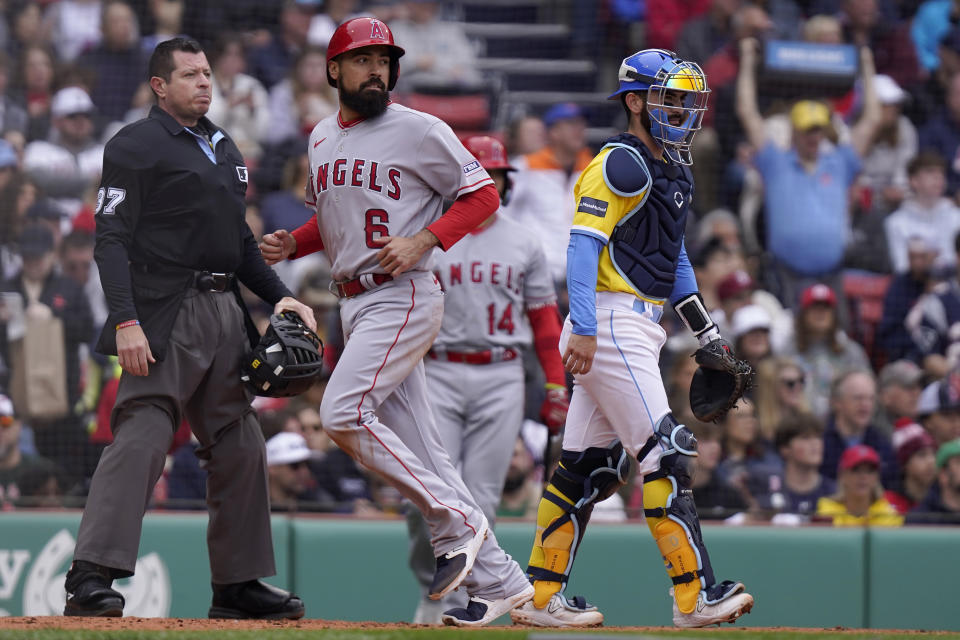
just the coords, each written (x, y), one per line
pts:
(581, 480)
(672, 515)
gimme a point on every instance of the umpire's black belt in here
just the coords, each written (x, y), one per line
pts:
(209, 281)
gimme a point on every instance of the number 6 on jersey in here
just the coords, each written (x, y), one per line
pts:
(375, 226)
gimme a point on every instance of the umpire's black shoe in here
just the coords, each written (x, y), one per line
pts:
(89, 592)
(255, 599)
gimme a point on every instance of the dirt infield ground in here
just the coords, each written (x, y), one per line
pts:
(197, 624)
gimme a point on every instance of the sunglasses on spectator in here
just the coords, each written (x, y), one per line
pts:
(296, 466)
(793, 383)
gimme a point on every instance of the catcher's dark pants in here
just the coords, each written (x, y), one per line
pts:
(199, 380)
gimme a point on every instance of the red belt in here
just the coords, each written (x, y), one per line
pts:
(350, 288)
(474, 357)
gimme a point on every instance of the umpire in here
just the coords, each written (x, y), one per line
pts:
(172, 244)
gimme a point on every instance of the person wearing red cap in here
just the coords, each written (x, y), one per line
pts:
(738, 290)
(735, 291)
(379, 175)
(916, 456)
(499, 299)
(822, 346)
(859, 500)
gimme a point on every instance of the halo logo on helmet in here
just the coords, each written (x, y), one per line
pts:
(673, 88)
(364, 32)
(492, 155)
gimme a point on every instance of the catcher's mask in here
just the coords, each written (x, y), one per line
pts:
(287, 360)
(671, 86)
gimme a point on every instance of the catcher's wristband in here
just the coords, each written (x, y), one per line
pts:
(694, 315)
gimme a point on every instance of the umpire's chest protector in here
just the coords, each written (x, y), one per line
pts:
(645, 245)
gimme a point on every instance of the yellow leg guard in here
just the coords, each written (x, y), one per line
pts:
(679, 556)
(552, 554)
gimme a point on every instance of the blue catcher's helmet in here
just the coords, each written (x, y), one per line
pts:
(674, 89)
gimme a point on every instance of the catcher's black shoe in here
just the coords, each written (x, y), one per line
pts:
(89, 592)
(255, 599)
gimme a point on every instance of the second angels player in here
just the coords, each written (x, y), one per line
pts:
(499, 296)
(379, 173)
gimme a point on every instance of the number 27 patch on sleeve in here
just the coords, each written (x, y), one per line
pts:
(108, 198)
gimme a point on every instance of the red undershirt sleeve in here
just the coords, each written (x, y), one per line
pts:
(545, 322)
(308, 238)
(467, 212)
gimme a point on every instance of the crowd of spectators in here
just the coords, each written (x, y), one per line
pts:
(802, 194)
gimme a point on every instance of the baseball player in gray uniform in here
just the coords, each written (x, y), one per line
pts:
(379, 173)
(499, 297)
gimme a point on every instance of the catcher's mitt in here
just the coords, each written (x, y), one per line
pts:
(720, 380)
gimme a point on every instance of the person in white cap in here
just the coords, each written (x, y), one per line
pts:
(25, 480)
(68, 163)
(287, 456)
(894, 143)
(750, 327)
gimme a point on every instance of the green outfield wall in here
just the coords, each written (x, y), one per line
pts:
(352, 569)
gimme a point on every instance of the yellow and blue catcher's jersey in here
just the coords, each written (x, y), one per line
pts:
(598, 211)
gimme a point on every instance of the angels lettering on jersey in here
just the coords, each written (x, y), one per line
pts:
(506, 276)
(358, 172)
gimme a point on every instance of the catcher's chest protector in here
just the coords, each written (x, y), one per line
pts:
(646, 244)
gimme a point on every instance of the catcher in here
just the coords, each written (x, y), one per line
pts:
(626, 258)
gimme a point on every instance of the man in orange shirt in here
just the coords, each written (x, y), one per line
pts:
(542, 196)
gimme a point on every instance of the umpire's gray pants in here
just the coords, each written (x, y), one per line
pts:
(199, 379)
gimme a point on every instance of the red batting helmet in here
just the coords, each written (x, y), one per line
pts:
(364, 32)
(489, 151)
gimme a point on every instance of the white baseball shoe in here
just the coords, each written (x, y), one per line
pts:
(453, 566)
(559, 612)
(480, 611)
(734, 604)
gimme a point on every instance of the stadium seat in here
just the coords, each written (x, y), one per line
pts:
(470, 111)
(864, 293)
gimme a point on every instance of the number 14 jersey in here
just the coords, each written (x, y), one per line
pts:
(490, 279)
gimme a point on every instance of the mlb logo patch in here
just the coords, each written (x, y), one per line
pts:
(242, 174)
(471, 166)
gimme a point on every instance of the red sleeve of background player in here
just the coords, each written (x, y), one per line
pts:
(465, 214)
(308, 238)
(545, 322)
